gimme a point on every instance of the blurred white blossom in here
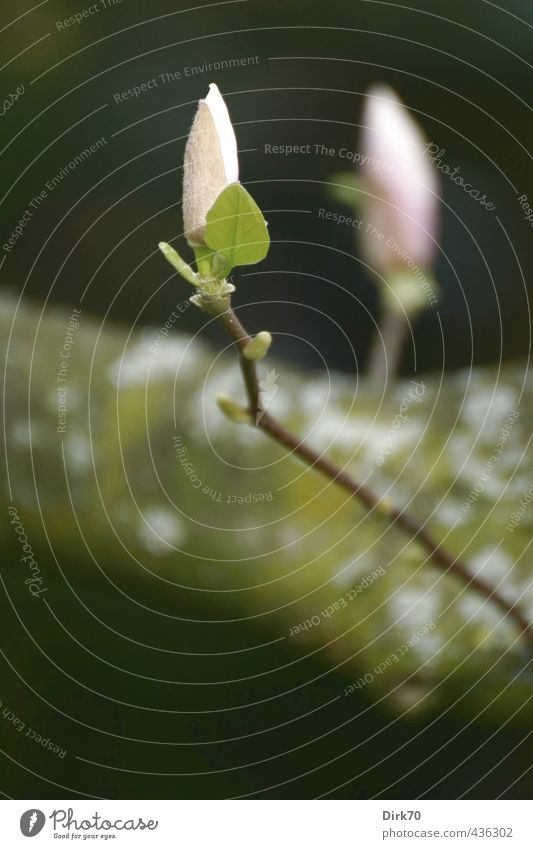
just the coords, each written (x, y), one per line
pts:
(400, 202)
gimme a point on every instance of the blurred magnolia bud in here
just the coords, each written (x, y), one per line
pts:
(400, 211)
(211, 163)
(233, 411)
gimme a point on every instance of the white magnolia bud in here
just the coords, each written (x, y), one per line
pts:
(211, 163)
(400, 211)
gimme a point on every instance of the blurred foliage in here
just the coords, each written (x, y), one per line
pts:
(200, 575)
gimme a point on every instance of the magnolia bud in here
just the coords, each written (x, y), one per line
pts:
(173, 257)
(401, 207)
(257, 348)
(233, 411)
(211, 163)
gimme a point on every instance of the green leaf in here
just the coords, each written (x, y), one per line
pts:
(236, 228)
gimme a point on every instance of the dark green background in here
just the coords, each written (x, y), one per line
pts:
(461, 66)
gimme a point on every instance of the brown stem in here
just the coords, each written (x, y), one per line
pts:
(403, 519)
(249, 371)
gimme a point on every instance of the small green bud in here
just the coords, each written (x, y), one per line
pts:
(384, 507)
(258, 347)
(410, 294)
(219, 266)
(216, 288)
(178, 263)
(233, 411)
(227, 288)
(197, 301)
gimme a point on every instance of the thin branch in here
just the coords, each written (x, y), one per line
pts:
(249, 371)
(387, 345)
(416, 530)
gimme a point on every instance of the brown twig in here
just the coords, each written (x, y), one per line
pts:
(262, 419)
